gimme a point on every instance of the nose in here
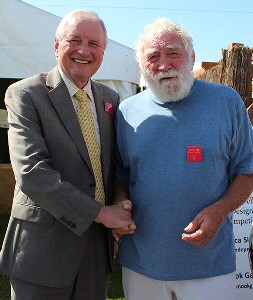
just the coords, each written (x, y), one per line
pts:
(164, 64)
(83, 49)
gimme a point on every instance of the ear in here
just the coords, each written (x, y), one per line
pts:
(193, 56)
(56, 45)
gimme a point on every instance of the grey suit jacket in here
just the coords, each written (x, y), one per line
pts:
(53, 201)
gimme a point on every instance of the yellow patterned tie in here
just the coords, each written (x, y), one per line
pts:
(86, 122)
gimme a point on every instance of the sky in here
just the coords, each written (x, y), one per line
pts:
(213, 24)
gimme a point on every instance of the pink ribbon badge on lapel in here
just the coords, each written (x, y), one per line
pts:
(109, 108)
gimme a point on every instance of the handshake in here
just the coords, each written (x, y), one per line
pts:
(118, 217)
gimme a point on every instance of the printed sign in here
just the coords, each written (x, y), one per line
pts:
(243, 218)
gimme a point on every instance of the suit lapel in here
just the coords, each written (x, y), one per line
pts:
(104, 130)
(62, 103)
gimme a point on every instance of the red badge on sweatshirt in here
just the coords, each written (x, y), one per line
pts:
(194, 154)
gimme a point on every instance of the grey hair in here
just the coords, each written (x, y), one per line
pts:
(160, 27)
(80, 13)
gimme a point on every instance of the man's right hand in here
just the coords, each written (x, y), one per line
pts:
(117, 216)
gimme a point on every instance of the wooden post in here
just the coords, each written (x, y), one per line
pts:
(7, 184)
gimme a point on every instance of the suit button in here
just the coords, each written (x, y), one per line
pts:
(92, 185)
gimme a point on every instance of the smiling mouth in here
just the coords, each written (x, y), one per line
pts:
(167, 78)
(81, 61)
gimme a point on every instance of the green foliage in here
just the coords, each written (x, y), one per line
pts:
(4, 288)
(115, 288)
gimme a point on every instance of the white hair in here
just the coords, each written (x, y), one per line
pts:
(161, 27)
(78, 14)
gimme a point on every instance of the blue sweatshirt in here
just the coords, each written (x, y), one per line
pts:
(179, 158)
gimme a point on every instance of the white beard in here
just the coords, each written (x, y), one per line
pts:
(173, 90)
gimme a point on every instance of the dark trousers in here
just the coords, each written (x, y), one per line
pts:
(91, 281)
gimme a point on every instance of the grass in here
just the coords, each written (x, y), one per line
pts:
(115, 291)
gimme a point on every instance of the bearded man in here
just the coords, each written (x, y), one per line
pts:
(185, 161)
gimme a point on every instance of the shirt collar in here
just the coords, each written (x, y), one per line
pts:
(72, 88)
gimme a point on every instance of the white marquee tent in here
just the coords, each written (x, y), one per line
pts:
(27, 48)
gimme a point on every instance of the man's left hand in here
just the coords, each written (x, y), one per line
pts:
(204, 227)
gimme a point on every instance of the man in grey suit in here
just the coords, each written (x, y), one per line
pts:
(58, 244)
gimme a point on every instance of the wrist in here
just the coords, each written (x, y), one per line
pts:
(99, 216)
